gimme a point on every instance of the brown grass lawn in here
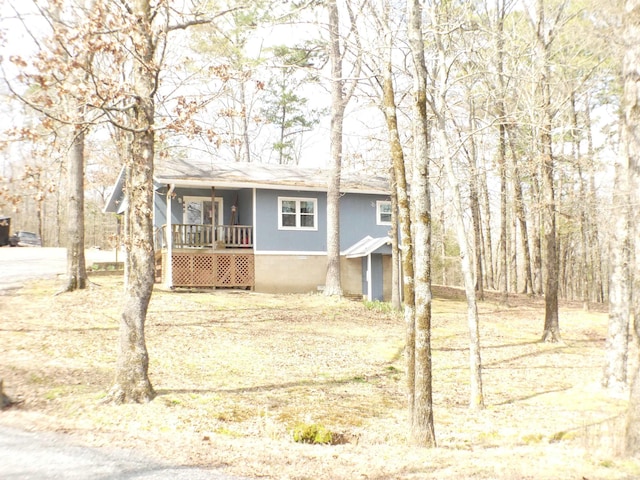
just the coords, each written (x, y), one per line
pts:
(236, 372)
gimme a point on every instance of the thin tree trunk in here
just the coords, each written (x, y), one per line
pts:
(518, 204)
(76, 270)
(132, 384)
(332, 283)
(631, 143)
(551, 331)
(475, 203)
(443, 240)
(476, 397)
(404, 220)
(488, 249)
(597, 290)
(513, 251)
(502, 244)
(396, 297)
(617, 347)
(585, 274)
(422, 426)
(502, 153)
(246, 143)
(537, 237)
(5, 401)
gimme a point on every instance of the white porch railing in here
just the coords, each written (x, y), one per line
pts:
(206, 236)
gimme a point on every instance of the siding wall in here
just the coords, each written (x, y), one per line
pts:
(243, 197)
(357, 219)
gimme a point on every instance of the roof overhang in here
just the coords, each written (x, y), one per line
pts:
(116, 203)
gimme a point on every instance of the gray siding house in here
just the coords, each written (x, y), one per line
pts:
(264, 227)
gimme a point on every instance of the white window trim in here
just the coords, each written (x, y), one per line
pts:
(379, 204)
(298, 200)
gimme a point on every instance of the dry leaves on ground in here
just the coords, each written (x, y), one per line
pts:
(236, 371)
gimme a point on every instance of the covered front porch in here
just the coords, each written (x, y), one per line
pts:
(205, 256)
(201, 239)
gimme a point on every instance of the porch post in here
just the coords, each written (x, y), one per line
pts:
(168, 279)
(369, 289)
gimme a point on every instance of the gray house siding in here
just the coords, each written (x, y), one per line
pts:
(243, 198)
(270, 239)
(160, 209)
(358, 218)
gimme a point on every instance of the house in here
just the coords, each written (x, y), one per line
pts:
(264, 227)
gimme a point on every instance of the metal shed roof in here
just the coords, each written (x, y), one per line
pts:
(367, 245)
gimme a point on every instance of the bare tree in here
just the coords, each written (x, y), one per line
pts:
(441, 112)
(422, 428)
(341, 93)
(617, 347)
(631, 155)
(544, 31)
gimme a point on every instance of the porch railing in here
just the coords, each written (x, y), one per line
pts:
(206, 236)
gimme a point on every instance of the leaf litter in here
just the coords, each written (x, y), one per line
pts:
(236, 371)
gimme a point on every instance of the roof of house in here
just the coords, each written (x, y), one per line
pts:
(205, 172)
(209, 173)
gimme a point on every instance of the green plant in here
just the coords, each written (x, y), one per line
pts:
(312, 433)
(532, 438)
(378, 306)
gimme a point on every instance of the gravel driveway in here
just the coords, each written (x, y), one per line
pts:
(37, 455)
(19, 264)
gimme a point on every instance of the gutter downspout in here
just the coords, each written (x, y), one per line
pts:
(168, 281)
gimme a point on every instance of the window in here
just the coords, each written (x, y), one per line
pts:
(297, 213)
(383, 212)
(198, 211)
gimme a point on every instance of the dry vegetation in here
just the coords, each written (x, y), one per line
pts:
(235, 372)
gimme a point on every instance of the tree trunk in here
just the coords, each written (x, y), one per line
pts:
(502, 153)
(5, 401)
(502, 244)
(488, 249)
(332, 283)
(537, 237)
(585, 274)
(518, 203)
(615, 367)
(551, 331)
(396, 297)
(246, 143)
(422, 428)
(404, 215)
(132, 381)
(594, 237)
(475, 203)
(76, 268)
(476, 397)
(631, 143)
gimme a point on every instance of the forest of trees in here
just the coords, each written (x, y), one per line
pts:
(498, 122)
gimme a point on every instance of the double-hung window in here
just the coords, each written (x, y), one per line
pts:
(383, 212)
(297, 213)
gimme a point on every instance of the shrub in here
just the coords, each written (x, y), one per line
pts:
(313, 433)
